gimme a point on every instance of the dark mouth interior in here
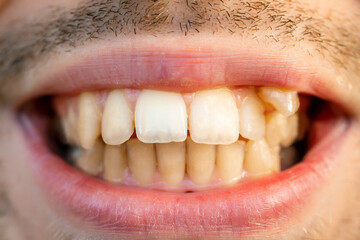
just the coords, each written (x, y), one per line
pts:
(42, 108)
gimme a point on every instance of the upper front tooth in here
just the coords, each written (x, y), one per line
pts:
(276, 128)
(292, 130)
(214, 117)
(117, 121)
(252, 119)
(285, 101)
(89, 120)
(160, 117)
(69, 123)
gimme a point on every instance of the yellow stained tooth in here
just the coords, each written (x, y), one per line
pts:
(200, 161)
(69, 124)
(89, 120)
(141, 161)
(115, 163)
(251, 117)
(91, 161)
(229, 161)
(117, 122)
(171, 162)
(292, 130)
(285, 101)
(214, 117)
(276, 128)
(260, 159)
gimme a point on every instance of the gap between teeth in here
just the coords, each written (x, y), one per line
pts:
(230, 131)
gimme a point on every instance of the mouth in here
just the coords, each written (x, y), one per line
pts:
(169, 143)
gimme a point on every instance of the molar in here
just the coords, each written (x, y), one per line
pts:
(214, 117)
(160, 117)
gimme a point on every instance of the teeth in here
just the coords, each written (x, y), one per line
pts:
(292, 130)
(171, 162)
(160, 117)
(214, 117)
(89, 120)
(91, 161)
(69, 124)
(251, 116)
(276, 128)
(200, 161)
(229, 161)
(117, 121)
(141, 160)
(114, 163)
(260, 159)
(285, 101)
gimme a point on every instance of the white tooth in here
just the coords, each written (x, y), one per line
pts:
(200, 161)
(292, 130)
(214, 117)
(89, 120)
(285, 101)
(69, 123)
(251, 117)
(160, 117)
(141, 161)
(260, 159)
(171, 162)
(91, 161)
(114, 163)
(117, 122)
(276, 128)
(229, 161)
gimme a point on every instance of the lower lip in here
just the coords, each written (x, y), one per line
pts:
(268, 203)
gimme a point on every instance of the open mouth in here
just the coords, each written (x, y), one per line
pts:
(138, 156)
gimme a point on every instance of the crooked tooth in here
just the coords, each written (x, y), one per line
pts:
(160, 117)
(291, 130)
(229, 161)
(260, 159)
(276, 128)
(114, 163)
(117, 122)
(89, 120)
(285, 101)
(251, 117)
(214, 117)
(200, 161)
(171, 162)
(141, 161)
(91, 161)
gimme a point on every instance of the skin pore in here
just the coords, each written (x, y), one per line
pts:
(324, 34)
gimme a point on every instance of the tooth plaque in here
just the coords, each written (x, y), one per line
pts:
(232, 134)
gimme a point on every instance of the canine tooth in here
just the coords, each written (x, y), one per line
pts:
(251, 117)
(160, 117)
(260, 159)
(91, 161)
(171, 162)
(114, 163)
(69, 124)
(89, 120)
(276, 128)
(141, 161)
(200, 161)
(292, 130)
(214, 117)
(229, 161)
(285, 101)
(117, 122)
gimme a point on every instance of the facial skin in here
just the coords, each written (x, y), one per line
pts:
(38, 37)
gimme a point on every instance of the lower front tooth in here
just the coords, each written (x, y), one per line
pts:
(200, 161)
(91, 160)
(171, 161)
(260, 159)
(114, 163)
(89, 120)
(141, 161)
(229, 161)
